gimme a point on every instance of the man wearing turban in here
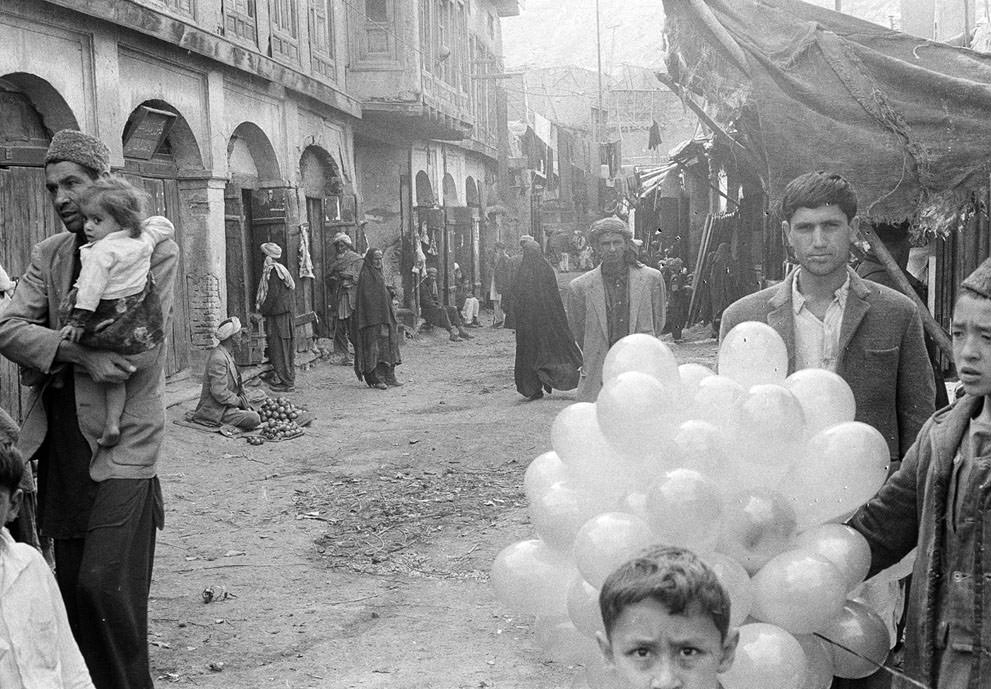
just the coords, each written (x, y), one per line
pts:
(620, 297)
(276, 302)
(222, 398)
(342, 279)
(101, 505)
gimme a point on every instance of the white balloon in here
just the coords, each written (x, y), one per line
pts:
(825, 397)
(841, 468)
(718, 402)
(753, 353)
(637, 414)
(691, 375)
(642, 353)
(684, 509)
(543, 472)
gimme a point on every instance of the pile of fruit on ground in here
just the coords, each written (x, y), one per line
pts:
(279, 419)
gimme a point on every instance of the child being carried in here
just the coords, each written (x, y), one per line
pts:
(113, 305)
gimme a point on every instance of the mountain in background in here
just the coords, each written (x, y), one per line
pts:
(553, 33)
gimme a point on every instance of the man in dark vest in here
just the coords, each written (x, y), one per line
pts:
(276, 302)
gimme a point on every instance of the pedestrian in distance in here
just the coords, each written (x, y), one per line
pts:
(436, 314)
(667, 622)
(222, 397)
(936, 503)
(275, 301)
(101, 505)
(342, 281)
(680, 296)
(375, 329)
(620, 297)
(113, 305)
(546, 354)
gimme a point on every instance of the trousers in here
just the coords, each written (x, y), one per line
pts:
(105, 579)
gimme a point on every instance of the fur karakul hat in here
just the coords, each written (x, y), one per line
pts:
(74, 146)
(979, 282)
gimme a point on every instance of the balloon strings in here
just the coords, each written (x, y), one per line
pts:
(890, 671)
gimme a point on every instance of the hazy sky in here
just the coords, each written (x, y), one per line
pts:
(559, 32)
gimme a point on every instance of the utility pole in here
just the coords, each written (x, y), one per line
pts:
(839, 5)
(598, 53)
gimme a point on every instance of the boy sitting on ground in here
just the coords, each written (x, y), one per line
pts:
(666, 618)
(36, 644)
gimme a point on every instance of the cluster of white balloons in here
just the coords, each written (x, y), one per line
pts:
(751, 468)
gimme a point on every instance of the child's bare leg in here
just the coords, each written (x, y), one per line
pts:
(115, 395)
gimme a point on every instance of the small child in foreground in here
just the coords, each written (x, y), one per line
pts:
(666, 618)
(36, 645)
(113, 306)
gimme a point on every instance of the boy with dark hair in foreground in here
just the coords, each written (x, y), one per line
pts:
(666, 618)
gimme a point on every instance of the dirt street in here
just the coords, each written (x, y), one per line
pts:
(358, 554)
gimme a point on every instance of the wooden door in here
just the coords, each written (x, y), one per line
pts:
(275, 218)
(26, 217)
(164, 200)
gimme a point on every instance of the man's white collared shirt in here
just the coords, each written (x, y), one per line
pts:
(817, 342)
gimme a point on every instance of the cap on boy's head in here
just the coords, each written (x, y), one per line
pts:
(815, 189)
(343, 238)
(979, 282)
(73, 146)
(675, 577)
(272, 249)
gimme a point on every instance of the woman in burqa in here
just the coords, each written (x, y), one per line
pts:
(374, 330)
(547, 356)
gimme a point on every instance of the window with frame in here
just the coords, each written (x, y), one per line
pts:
(426, 35)
(240, 20)
(285, 28)
(323, 47)
(378, 18)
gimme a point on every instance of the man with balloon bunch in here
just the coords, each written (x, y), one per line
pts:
(832, 319)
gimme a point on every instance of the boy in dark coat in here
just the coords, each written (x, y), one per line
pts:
(937, 502)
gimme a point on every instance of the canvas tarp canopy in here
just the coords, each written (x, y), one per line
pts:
(803, 88)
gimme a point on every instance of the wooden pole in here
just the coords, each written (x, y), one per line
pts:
(934, 329)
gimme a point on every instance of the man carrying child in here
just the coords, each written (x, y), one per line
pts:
(102, 505)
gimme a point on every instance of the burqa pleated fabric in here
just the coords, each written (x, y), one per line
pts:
(547, 356)
(374, 327)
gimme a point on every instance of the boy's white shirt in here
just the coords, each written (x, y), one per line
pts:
(37, 650)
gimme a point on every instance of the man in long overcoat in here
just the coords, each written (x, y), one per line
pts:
(620, 297)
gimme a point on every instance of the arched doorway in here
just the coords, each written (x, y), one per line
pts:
(258, 208)
(429, 226)
(157, 143)
(328, 211)
(31, 110)
(456, 248)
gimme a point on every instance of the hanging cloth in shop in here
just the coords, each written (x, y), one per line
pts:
(305, 261)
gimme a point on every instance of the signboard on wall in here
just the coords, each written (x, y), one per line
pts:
(147, 131)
